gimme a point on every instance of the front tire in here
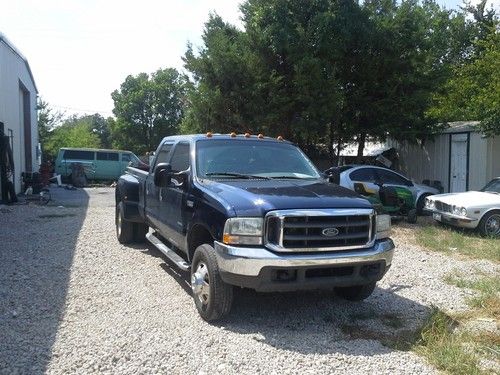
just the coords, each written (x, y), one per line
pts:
(421, 203)
(490, 224)
(412, 216)
(212, 296)
(356, 292)
(124, 228)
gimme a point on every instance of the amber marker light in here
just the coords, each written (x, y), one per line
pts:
(280, 138)
(260, 136)
(247, 135)
(233, 135)
(209, 134)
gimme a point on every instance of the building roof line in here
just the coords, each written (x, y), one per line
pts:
(13, 48)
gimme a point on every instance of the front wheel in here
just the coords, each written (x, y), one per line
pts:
(356, 292)
(412, 216)
(490, 224)
(212, 296)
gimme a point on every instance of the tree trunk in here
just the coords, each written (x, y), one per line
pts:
(331, 139)
(339, 148)
(361, 147)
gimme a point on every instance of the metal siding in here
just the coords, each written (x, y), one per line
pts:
(493, 159)
(13, 71)
(427, 162)
(477, 161)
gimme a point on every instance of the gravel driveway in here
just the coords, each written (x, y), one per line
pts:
(73, 300)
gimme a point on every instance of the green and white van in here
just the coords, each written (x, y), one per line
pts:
(99, 164)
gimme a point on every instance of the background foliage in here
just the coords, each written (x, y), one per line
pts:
(318, 72)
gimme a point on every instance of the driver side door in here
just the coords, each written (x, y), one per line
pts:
(172, 203)
(154, 192)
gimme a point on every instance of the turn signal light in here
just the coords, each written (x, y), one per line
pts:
(260, 136)
(280, 138)
(209, 134)
(233, 134)
(247, 135)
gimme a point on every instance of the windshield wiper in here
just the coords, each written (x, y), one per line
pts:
(238, 175)
(291, 177)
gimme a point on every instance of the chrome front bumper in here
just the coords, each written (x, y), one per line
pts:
(457, 220)
(249, 261)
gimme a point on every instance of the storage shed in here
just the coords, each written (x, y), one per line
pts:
(460, 157)
(18, 113)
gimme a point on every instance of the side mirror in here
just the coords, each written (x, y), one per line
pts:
(162, 174)
(333, 175)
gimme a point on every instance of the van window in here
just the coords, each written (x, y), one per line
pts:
(111, 156)
(126, 157)
(79, 154)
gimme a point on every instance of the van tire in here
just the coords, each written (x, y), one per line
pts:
(124, 228)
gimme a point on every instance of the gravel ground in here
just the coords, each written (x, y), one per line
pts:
(73, 300)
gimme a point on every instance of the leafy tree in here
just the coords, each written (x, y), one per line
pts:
(473, 93)
(48, 119)
(74, 132)
(147, 108)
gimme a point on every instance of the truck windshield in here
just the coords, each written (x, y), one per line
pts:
(248, 158)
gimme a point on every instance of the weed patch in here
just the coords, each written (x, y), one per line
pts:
(455, 241)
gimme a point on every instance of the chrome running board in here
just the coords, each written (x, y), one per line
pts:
(169, 253)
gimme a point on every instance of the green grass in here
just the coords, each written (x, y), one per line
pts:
(488, 300)
(445, 349)
(453, 241)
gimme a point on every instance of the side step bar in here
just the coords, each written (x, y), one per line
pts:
(169, 253)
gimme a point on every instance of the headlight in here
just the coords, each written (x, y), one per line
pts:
(429, 203)
(383, 226)
(243, 231)
(460, 211)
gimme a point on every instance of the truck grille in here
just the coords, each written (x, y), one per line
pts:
(319, 230)
(440, 206)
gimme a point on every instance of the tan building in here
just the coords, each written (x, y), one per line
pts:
(460, 157)
(18, 113)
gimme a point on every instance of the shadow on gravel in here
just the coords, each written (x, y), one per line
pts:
(317, 321)
(36, 253)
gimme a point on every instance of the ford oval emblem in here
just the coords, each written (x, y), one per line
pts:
(330, 232)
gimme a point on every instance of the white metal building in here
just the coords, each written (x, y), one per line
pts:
(460, 157)
(18, 114)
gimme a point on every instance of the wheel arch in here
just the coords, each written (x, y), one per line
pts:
(198, 235)
(493, 209)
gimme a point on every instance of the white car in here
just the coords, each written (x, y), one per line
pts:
(478, 210)
(371, 175)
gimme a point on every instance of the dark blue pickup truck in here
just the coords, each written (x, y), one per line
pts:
(254, 212)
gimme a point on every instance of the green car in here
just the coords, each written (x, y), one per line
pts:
(98, 164)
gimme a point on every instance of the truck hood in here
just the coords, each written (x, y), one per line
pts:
(256, 197)
(469, 199)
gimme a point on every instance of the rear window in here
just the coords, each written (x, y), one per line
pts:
(79, 154)
(111, 156)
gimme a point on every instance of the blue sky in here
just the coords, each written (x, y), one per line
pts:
(82, 50)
